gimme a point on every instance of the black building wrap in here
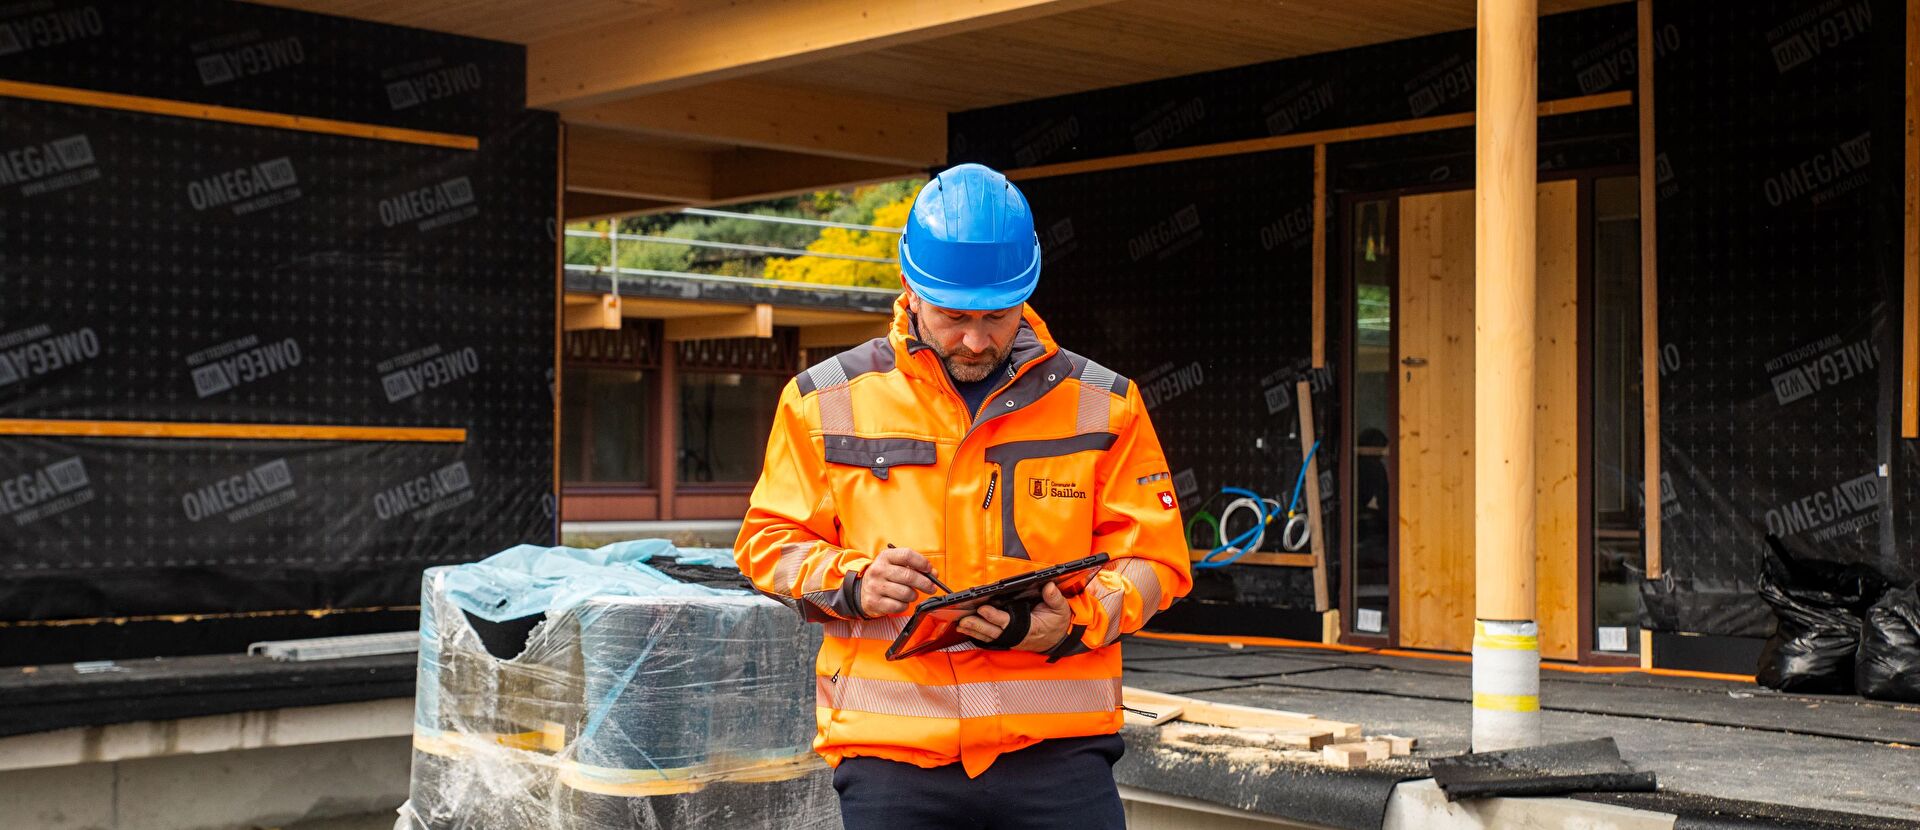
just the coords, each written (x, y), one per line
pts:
(1778, 243)
(1195, 278)
(1778, 131)
(164, 269)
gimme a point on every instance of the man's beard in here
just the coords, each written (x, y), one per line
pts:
(975, 368)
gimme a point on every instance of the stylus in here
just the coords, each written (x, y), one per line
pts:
(936, 580)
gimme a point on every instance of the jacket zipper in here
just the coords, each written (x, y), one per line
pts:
(992, 482)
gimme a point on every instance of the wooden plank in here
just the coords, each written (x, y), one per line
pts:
(1284, 560)
(1304, 399)
(1910, 336)
(1319, 256)
(1330, 626)
(1651, 490)
(702, 42)
(232, 115)
(601, 314)
(1436, 449)
(1397, 745)
(1195, 710)
(1556, 444)
(841, 334)
(1152, 717)
(1565, 106)
(224, 431)
(757, 322)
(1344, 756)
(765, 116)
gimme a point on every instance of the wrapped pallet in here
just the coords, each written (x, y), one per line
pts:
(571, 688)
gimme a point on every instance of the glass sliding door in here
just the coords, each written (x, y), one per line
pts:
(1370, 490)
(1618, 517)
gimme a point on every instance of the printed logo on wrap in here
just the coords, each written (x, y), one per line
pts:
(42, 24)
(426, 81)
(426, 496)
(1278, 387)
(249, 54)
(1166, 122)
(57, 164)
(1808, 35)
(1035, 145)
(424, 369)
(1298, 106)
(31, 495)
(1169, 381)
(1168, 236)
(1439, 85)
(1057, 241)
(1824, 176)
(249, 189)
(1840, 510)
(243, 495)
(433, 206)
(1819, 366)
(38, 350)
(235, 363)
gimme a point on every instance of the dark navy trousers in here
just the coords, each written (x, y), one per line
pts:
(1062, 783)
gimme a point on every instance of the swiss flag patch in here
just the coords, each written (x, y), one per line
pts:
(1166, 501)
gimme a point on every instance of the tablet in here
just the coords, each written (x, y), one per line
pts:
(935, 623)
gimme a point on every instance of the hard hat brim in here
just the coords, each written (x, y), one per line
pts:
(1007, 293)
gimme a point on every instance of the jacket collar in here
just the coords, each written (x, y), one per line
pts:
(1032, 344)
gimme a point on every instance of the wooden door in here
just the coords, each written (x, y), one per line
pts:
(1436, 421)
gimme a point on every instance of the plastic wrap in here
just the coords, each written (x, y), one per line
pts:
(582, 689)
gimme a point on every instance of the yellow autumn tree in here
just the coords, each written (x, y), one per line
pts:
(829, 271)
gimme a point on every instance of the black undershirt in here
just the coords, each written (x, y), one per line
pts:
(976, 392)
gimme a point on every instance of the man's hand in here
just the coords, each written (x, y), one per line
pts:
(888, 585)
(1049, 622)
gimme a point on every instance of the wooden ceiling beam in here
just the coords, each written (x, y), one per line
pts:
(615, 164)
(747, 174)
(756, 322)
(704, 42)
(771, 117)
(581, 206)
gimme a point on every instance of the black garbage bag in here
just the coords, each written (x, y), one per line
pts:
(1888, 664)
(1818, 607)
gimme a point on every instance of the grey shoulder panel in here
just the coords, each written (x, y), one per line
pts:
(1092, 373)
(875, 355)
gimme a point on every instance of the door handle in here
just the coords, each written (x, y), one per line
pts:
(1413, 361)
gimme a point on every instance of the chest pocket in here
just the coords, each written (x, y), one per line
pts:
(879, 455)
(1050, 489)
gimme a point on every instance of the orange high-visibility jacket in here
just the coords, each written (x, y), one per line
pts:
(875, 447)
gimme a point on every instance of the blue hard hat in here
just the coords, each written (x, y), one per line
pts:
(969, 242)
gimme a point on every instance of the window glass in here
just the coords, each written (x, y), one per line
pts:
(1373, 425)
(724, 421)
(1618, 549)
(605, 433)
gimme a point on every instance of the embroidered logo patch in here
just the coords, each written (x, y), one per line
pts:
(1042, 488)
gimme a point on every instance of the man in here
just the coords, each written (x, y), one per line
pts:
(967, 446)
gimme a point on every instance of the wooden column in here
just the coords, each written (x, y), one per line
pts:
(1506, 650)
(1319, 257)
(1650, 488)
(666, 467)
(1910, 318)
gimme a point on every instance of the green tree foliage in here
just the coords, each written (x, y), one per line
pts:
(883, 204)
